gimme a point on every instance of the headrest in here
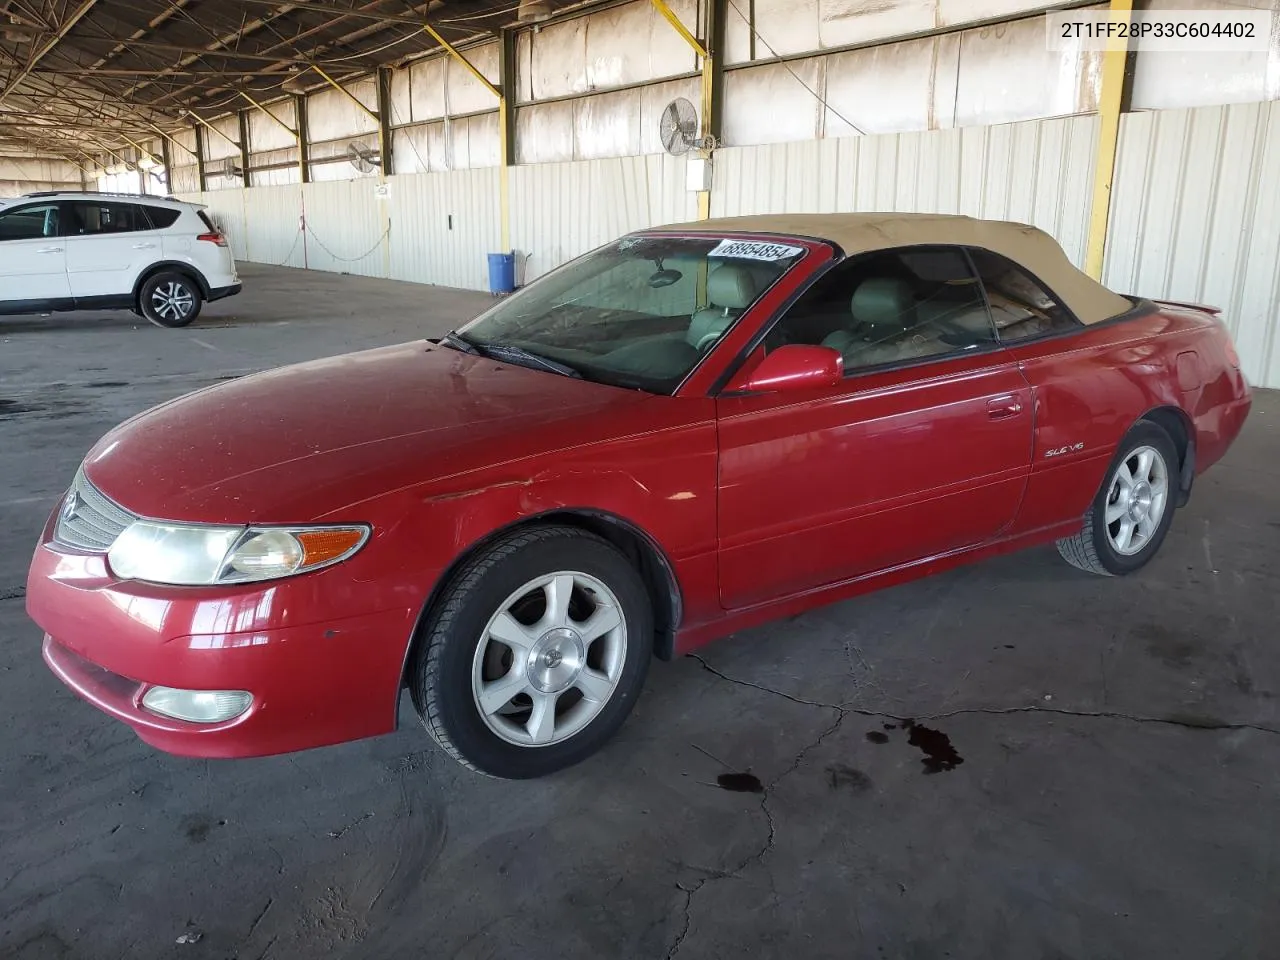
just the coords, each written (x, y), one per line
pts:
(732, 286)
(883, 302)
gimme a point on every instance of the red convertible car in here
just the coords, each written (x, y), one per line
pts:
(688, 431)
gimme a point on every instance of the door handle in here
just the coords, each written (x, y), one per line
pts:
(1001, 408)
(144, 246)
(49, 250)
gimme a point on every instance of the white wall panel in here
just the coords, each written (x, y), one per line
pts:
(465, 93)
(274, 228)
(626, 45)
(1037, 172)
(331, 115)
(560, 210)
(401, 99)
(267, 134)
(1195, 216)
(1198, 78)
(1007, 73)
(544, 132)
(185, 179)
(773, 103)
(218, 146)
(607, 125)
(426, 90)
(803, 26)
(443, 225)
(345, 227)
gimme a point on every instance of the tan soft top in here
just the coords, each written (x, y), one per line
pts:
(856, 233)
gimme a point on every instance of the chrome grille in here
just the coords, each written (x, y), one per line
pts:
(87, 520)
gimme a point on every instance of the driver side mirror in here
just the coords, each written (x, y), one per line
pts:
(795, 366)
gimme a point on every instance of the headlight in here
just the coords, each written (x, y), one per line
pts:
(202, 556)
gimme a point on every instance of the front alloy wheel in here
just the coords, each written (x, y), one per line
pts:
(534, 654)
(549, 660)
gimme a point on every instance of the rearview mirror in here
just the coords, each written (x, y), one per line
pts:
(796, 366)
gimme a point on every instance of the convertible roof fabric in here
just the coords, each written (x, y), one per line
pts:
(856, 233)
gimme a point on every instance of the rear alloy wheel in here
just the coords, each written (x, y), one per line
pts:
(1132, 512)
(170, 300)
(535, 654)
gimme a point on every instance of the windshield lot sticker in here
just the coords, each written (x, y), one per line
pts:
(754, 250)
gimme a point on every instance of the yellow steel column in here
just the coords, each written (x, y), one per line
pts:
(504, 201)
(708, 60)
(1110, 102)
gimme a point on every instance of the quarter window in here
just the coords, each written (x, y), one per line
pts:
(892, 307)
(1020, 307)
(161, 217)
(29, 223)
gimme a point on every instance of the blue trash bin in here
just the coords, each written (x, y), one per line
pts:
(502, 273)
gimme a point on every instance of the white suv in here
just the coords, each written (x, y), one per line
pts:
(160, 258)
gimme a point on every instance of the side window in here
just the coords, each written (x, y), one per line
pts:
(29, 223)
(891, 307)
(1020, 307)
(90, 218)
(161, 217)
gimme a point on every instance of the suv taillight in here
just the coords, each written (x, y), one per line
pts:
(217, 238)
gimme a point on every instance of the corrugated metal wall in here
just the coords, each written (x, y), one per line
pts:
(1195, 216)
(1195, 211)
(559, 210)
(1036, 172)
(347, 228)
(442, 225)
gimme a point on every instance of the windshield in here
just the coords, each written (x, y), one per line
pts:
(640, 312)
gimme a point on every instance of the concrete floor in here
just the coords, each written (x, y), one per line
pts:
(1093, 771)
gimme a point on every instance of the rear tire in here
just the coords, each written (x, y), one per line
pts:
(1134, 508)
(170, 299)
(535, 654)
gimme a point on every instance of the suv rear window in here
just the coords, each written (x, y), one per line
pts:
(207, 222)
(162, 217)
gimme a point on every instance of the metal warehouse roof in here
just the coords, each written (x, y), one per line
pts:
(81, 76)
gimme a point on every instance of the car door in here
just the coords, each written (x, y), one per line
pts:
(923, 448)
(111, 242)
(33, 260)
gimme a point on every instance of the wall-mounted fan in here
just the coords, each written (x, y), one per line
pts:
(678, 129)
(229, 169)
(363, 157)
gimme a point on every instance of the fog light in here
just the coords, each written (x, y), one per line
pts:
(197, 706)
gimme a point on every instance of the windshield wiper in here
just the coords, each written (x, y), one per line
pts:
(513, 354)
(453, 339)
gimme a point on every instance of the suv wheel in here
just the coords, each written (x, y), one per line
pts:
(170, 299)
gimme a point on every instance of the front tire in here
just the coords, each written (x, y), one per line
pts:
(535, 654)
(1133, 510)
(170, 299)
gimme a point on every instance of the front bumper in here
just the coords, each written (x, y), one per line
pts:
(218, 293)
(317, 676)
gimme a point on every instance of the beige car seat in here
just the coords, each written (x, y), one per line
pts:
(881, 310)
(730, 290)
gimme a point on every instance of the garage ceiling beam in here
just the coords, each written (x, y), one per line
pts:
(201, 52)
(355, 12)
(74, 17)
(293, 44)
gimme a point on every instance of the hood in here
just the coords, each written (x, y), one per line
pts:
(298, 443)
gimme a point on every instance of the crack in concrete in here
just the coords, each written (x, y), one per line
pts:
(842, 712)
(758, 856)
(1186, 722)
